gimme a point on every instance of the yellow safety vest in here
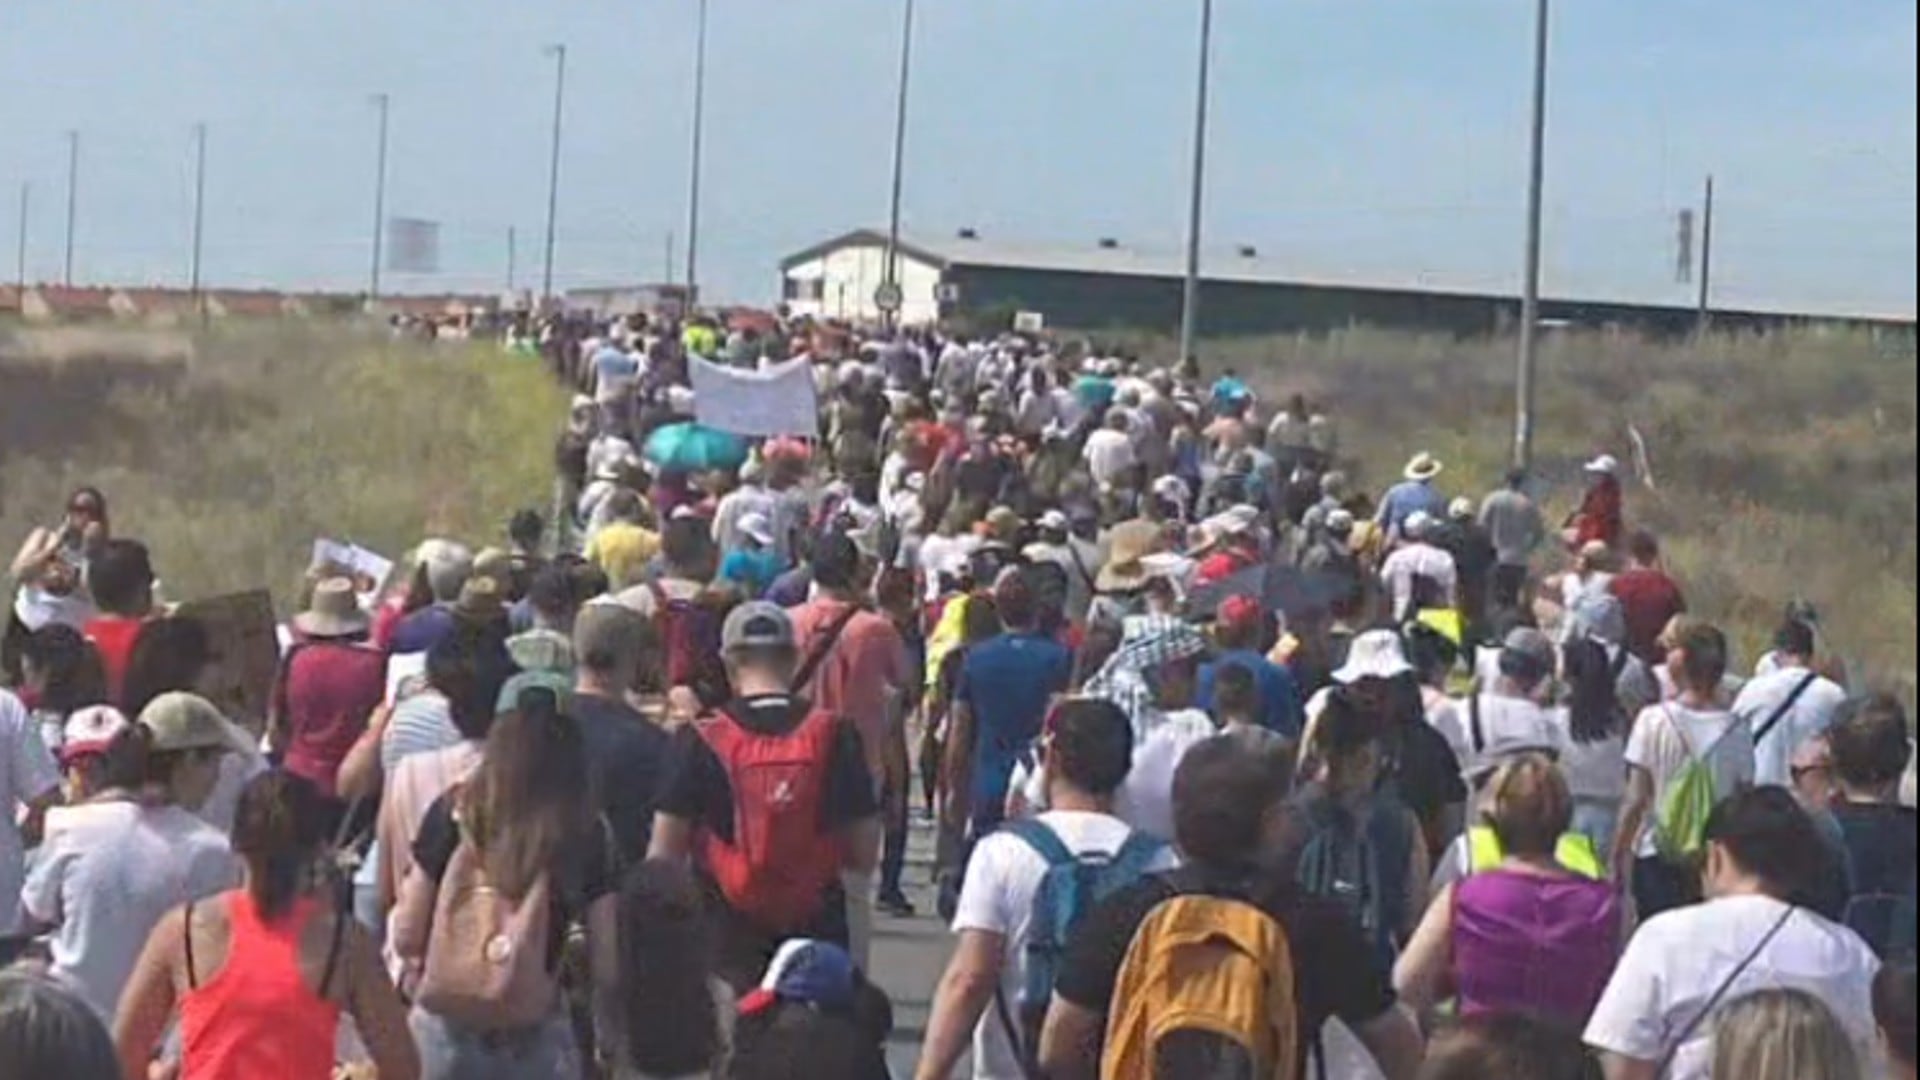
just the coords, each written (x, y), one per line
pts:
(1575, 852)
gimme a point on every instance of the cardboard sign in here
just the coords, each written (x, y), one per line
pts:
(241, 634)
(368, 569)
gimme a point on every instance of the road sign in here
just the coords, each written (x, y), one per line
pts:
(888, 297)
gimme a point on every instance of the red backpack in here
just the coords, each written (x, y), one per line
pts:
(690, 637)
(781, 863)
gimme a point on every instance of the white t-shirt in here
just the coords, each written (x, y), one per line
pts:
(1145, 800)
(1109, 455)
(1002, 878)
(1666, 737)
(1595, 771)
(108, 876)
(1677, 961)
(1418, 561)
(1508, 726)
(27, 771)
(36, 608)
(1812, 714)
(1444, 716)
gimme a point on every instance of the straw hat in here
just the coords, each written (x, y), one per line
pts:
(1125, 570)
(1424, 466)
(334, 611)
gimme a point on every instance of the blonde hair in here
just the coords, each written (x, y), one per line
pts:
(1782, 1035)
(1529, 805)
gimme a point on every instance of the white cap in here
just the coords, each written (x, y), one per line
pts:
(1417, 525)
(1053, 521)
(1605, 464)
(755, 525)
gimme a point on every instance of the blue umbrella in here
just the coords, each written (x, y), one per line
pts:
(689, 447)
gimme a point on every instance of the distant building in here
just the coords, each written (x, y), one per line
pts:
(1109, 286)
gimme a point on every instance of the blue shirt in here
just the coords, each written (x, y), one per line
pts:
(1007, 682)
(1280, 708)
(422, 630)
(1408, 498)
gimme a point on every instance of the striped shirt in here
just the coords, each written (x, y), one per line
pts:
(421, 724)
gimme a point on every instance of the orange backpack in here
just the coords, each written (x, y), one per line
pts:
(1207, 983)
(487, 956)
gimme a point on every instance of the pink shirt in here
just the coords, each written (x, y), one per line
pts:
(861, 675)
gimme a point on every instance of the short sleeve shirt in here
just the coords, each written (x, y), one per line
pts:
(1666, 737)
(864, 670)
(27, 771)
(1007, 683)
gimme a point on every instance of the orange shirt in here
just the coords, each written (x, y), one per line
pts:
(861, 675)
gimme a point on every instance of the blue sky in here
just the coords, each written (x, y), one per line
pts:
(1372, 139)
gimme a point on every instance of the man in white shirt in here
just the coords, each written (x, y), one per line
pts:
(29, 786)
(1078, 558)
(1655, 1021)
(1510, 718)
(1088, 751)
(1109, 451)
(1788, 707)
(1415, 561)
(1665, 739)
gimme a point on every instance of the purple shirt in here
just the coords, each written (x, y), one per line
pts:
(1543, 945)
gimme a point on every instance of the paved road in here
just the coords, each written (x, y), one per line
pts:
(909, 956)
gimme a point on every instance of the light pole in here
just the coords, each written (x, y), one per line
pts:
(383, 104)
(559, 54)
(1530, 295)
(20, 244)
(1190, 294)
(199, 213)
(73, 192)
(1705, 318)
(693, 177)
(890, 271)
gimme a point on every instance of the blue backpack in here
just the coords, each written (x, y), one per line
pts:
(1072, 886)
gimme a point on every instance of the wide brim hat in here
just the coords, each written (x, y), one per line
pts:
(1125, 568)
(334, 612)
(1424, 466)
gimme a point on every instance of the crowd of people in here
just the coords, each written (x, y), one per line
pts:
(1232, 767)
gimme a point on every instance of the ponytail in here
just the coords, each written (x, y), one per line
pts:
(277, 830)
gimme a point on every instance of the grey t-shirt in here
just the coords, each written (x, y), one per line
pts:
(1514, 525)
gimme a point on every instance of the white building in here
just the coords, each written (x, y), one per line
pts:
(839, 279)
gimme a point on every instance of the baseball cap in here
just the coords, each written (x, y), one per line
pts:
(1417, 525)
(806, 972)
(755, 525)
(90, 731)
(553, 682)
(757, 625)
(181, 721)
(1528, 653)
(1340, 522)
(1053, 521)
(1238, 612)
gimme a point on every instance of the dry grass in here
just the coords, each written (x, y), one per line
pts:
(1785, 464)
(228, 455)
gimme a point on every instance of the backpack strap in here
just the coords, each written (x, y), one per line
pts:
(341, 917)
(1720, 994)
(817, 655)
(1044, 841)
(1786, 707)
(1476, 727)
(186, 939)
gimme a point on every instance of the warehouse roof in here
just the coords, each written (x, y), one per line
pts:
(1243, 266)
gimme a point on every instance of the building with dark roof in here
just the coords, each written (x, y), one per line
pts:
(1108, 286)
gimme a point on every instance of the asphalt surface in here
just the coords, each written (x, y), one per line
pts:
(909, 956)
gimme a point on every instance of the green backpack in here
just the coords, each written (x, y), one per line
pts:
(1680, 826)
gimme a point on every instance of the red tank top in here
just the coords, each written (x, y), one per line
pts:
(257, 1017)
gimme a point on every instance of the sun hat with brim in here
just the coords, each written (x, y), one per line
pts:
(180, 721)
(89, 731)
(1132, 542)
(481, 600)
(1376, 654)
(1424, 466)
(334, 612)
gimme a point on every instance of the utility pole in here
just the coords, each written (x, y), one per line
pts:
(1705, 317)
(890, 271)
(383, 103)
(1530, 296)
(20, 243)
(666, 268)
(513, 257)
(73, 192)
(699, 131)
(199, 215)
(559, 54)
(1190, 294)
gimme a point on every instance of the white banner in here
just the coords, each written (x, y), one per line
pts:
(778, 400)
(413, 246)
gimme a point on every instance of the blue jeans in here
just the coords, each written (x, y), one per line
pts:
(448, 1052)
(1596, 821)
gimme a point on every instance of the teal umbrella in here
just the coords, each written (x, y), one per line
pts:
(689, 447)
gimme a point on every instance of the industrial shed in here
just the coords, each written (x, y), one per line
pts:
(1109, 286)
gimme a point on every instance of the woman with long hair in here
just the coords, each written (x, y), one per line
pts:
(521, 827)
(1595, 755)
(668, 1016)
(1782, 1034)
(259, 976)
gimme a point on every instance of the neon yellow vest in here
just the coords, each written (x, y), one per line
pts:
(1575, 852)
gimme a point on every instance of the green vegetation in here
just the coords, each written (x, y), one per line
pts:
(229, 454)
(1784, 465)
